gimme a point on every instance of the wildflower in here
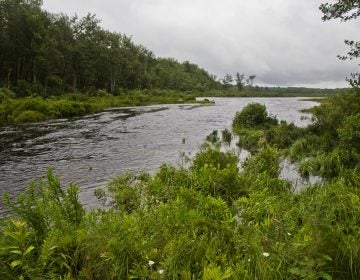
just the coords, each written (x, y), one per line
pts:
(161, 271)
(151, 263)
(289, 233)
(249, 260)
(265, 254)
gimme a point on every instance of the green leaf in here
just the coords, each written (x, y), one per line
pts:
(325, 276)
(15, 263)
(29, 249)
(16, 252)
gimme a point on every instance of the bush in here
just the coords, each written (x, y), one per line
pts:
(213, 158)
(283, 135)
(253, 116)
(250, 139)
(213, 137)
(29, 116)
(226, 136)
(267, 160)
(6, 94)
(349, 133)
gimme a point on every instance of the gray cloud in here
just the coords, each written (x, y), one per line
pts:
(283, 42)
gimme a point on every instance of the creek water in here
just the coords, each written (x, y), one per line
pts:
(91, 150)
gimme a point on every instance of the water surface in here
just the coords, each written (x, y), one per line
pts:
(91, 150)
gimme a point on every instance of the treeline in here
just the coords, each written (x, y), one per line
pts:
(303, 90)
(51, 54)
(245, 85)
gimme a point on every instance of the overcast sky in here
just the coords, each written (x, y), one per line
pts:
(282, 42)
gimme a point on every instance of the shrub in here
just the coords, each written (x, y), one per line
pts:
(250, 139)
(6, 94)
(283, 135)
(213, 137)
(226, 136)
(349, 132)
(267, 160)
(29, 116)
(213, 158)
(254, 115)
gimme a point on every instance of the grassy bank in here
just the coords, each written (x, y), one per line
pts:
(210, 220)
(34, 109)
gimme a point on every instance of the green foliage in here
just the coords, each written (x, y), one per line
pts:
(253, 116)
(252, 124)
(211, 220)
(29, 116)
(250, 139)
(306, 146)
(33, 109)
(349, 133)
(45, 54)
(267, 160)
(283, 135)
(226, 136)
(214, 158)
(208, 221)
(329, 147)
(6, 94)
(213, 137)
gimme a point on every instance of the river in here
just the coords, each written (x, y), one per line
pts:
(91, 150)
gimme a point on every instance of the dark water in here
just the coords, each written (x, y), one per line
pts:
(89, 151)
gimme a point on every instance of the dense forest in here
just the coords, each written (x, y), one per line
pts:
(50, 54)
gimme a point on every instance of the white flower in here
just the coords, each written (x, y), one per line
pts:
(151, 263)
(161, 271)
(289, 233)
(249, 260)
(265, 254)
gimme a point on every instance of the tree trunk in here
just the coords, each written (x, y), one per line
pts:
(8, 77)
(18, 69)
(34, 72)
(74, 83)
(45, 86)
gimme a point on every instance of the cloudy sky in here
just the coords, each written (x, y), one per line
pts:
(282, 42)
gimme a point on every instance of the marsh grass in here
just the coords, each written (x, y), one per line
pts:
(34, 109)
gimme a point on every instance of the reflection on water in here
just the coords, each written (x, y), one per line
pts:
(91, 150)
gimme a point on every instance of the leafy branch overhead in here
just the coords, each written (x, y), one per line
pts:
(341, 9)
(345, 10)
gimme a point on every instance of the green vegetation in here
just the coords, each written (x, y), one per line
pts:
(211, 220)
(51, 54)
(255, 91)
(45, 56)
(34, 109)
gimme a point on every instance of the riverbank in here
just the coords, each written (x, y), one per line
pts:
(35, 108)
(210, 220)
(90, 150)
